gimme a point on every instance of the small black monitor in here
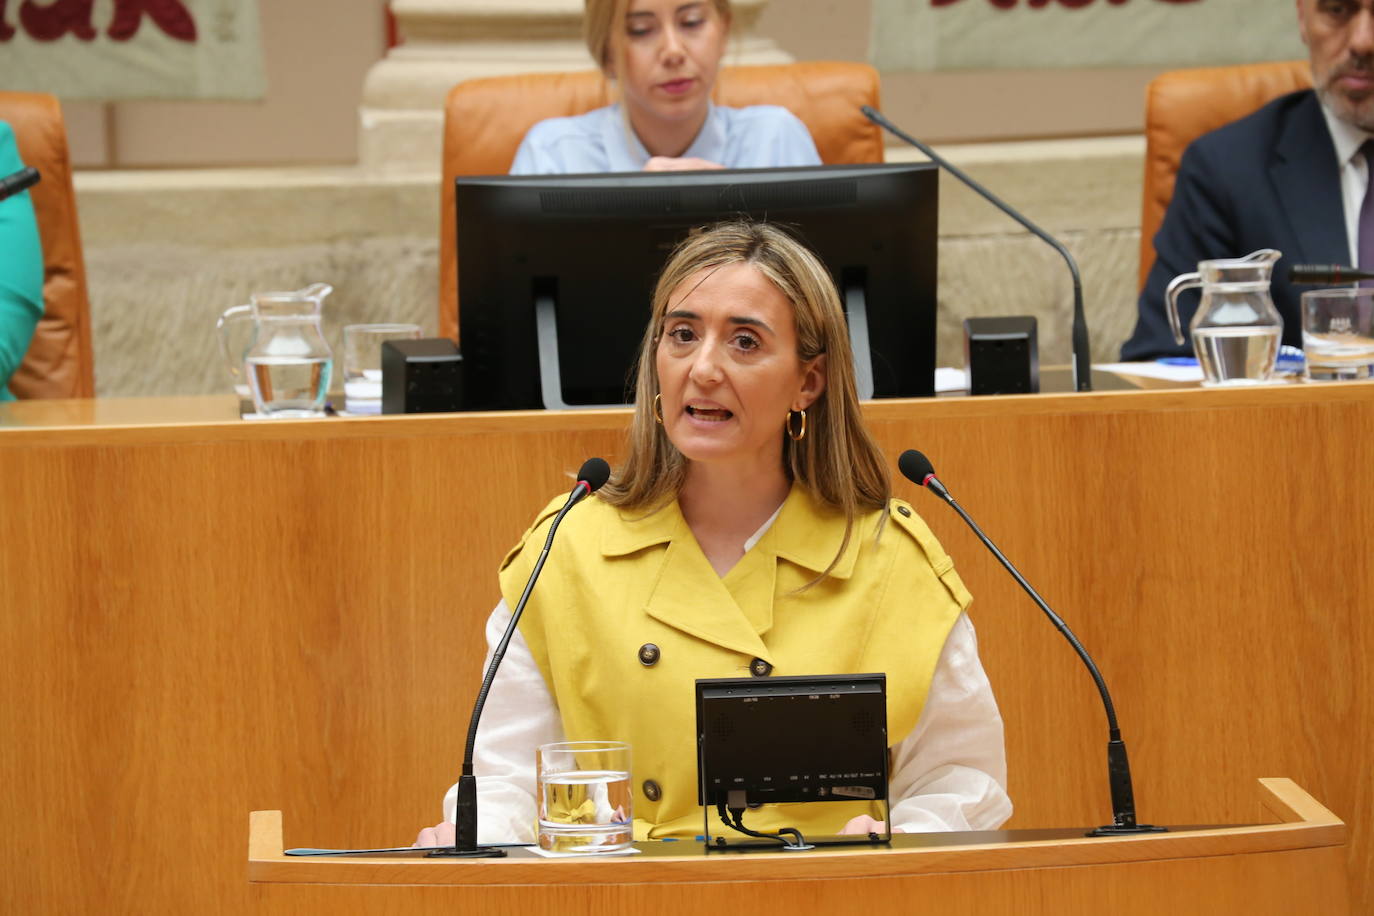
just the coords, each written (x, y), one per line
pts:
(556, 273)
(791, 739)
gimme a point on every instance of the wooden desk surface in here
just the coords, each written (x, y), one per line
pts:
(1292, 862)
(205, 616)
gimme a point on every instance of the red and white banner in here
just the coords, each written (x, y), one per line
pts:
(1006, 34)
(132, 49)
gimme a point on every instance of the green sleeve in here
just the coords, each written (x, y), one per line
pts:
(21, 268)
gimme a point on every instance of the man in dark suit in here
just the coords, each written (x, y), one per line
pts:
(1291, 176)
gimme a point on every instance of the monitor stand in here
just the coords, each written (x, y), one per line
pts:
(856, 311)
(550, 373)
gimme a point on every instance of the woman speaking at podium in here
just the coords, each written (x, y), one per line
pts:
(664, 57)
(750, 531)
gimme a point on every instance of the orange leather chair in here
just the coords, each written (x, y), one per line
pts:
(59, 363)
(485, 120)
(1181, 106)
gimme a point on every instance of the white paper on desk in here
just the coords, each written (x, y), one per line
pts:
(948, 379)
(1162, 371)
(550, 854)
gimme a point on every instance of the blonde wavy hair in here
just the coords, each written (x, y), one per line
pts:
(837, 461)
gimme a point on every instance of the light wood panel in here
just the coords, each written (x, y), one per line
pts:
(206, 618)
(1291, 866)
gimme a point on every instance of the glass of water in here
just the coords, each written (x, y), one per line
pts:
(362, 344)
(1338, 333)
(584, 796)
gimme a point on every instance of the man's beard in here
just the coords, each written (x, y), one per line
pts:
(1355, 112)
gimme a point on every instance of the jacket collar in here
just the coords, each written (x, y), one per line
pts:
(805, 533)
(688, 595)
(1307, 179)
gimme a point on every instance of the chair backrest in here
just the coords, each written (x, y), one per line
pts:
(59, 363)
(1181, 106)
(485, 120)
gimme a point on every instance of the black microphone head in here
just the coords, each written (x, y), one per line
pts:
(915, 466)
(594, 472)
(1324, 274)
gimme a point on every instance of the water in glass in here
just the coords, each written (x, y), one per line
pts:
(585, 811)
(1236, 356)
(289, 386)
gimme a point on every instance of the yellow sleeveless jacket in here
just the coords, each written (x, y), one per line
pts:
(618, 582)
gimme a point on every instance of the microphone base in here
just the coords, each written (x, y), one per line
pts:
(453, 852)
(1114, 830)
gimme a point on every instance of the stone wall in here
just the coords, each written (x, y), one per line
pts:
(167, 251)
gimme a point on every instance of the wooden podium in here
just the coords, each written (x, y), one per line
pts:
(1294, 865)
(203, 617)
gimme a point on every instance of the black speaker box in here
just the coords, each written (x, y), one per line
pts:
(1001, 355)
(422, 376)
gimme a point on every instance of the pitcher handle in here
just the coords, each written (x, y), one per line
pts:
(233, 363)
(1265, 255)
(1177, 285)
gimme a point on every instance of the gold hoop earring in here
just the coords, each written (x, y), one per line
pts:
(792, 433)
(658, 408)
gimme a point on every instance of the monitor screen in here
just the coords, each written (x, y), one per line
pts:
(792, 739)
(556, 273)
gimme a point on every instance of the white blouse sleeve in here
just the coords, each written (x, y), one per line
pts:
(519, 716)
(951, 771)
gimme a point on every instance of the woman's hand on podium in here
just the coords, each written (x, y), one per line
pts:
(864, 824)
(440, 834)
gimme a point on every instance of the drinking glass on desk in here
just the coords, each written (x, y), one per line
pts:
(362, 358)
(585, 799)
(1338, 333)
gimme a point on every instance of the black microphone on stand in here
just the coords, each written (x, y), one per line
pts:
(21, 180)
(918, 469)
(590, 478)
(1326, 275)
(1082, 358)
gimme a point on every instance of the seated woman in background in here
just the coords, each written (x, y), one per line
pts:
(664, 56)
(21, 268)
(751, 528)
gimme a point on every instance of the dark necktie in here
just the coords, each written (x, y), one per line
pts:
(1365, 242)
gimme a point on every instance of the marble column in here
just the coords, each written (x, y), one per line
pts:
(447, 41)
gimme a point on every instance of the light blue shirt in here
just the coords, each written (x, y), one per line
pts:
(760, 136)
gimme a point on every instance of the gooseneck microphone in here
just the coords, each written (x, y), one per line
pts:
(1082, 358)
(590, 478)
(1325, 275)
(21, 180)
(918, 469)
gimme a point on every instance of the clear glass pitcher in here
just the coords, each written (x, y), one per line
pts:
(287, 363)
(1236, 329)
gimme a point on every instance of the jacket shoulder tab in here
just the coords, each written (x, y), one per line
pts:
(915, 527)
(540, 522)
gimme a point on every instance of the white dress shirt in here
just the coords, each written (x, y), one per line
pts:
(1347, 138)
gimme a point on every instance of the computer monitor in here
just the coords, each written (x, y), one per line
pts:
(791, 739)
(556, 273)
